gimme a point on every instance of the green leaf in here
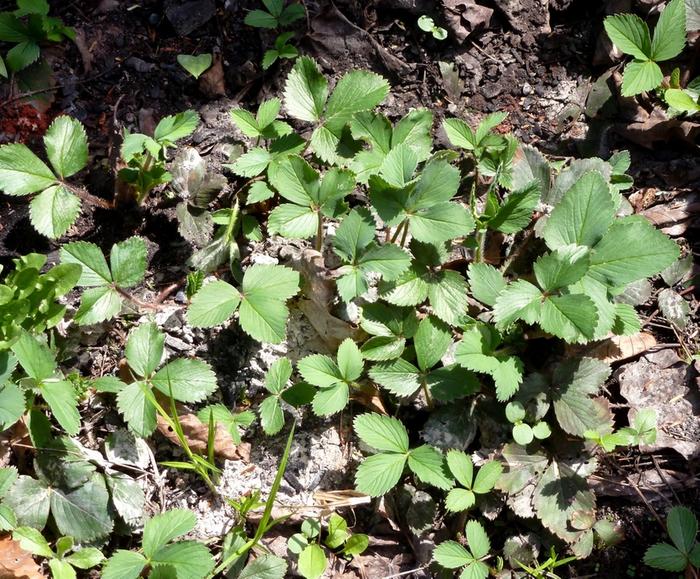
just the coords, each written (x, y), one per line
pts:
(85, 558)
(681, 100)
(260, 19)
(293, 221)
(350, 361)
(8, 476)
(356, 544)
(447, 294)
(461, 467)
(8, 521)
(431, 341)
(522, 434)
(390, 261)
(297, 181)
(399, 377)
(572, 317)
(563, 267)
(30, 500)
(271, 415)
(328, 401)
(213, 304)
(682, 528)
(516, 211)
(441, 222)
(354, 233)
(144, 348)
(459, 134)
(190, 559)
(451, 555)
(378, 474)
(337, 531)
(265, 566)
(189, 380)
(251, 163)
(630, 34)
(32, 540)
(62, 399)
(357, 90)
(83, 513)
(487, 477)
(278, 376)
(124, 565)
(312, 562)
(477, 539)
(246, 122)
(98, 304)
(666, 557)
(305, 91)
(54, 211)
(128, 262)
(486, 282)
(319, 370)
(175, 127)
(137, 409)
(632, 249)
(263, 313)
(428, 465)
(669, 34)
(90, 258)
(459, 500)
(259, 191)
(35, 357)
(398, 166)
(639, 77)
(22, 55)
(195, 65)
(518, 300)
(583, 215)
(66, 146)
(22, 172)
(382, 432)
(292, 13)
(163, 528)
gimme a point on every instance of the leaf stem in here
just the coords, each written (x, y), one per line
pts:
(319, 232)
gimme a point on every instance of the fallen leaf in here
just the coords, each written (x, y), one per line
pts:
(212, 82)
(676, 215)
(197, 436)
(332, 330)
(465, 16)
(15, 562)
(658, 128)
(618, 348)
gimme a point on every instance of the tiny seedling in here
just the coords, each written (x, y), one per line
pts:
(545, 570)
(427, 24)
(283, 49)
(65, 559)
(524, 433)
(276, 383)
(462, 468)
(684, 554)
(277, 14)
(631, 35)
(160, 553)
(195, 65)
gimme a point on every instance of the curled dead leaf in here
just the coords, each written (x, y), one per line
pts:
(15, 562)
(197, 436)
(674, 217)
(332, 330)
(618, 348)
(212, 82)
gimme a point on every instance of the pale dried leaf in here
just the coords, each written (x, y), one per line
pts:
(15, 562)
(618, 348)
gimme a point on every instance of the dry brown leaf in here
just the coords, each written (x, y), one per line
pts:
(332, 330)
(675, 216)
(212, 83)
(197, 436)
(617, 348)
(369, 397)
(15, 562)
(658, 128)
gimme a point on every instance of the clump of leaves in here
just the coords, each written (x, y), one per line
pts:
(161, 553)
(28, 298)
(65, 559)
(682, 527)
(261, 302)
(472, 559)
(27, 28)
(462, 468)
(145, 156)
(107, 284)
(277, 14)
(282, 49)
(56, 207)
(195, 65)
(427, 24)
(312, 560)
(277, 384)
(631, 35)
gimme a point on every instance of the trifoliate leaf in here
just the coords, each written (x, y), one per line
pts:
(378, 474)
(630, 34)
(54, 211)
(144, 348)
(163, 528)
(188, 379)
(97, 305)
(265, 289)
(382, 432)
(399, 377)
(583, 215)
(90, 258)
(127, 261)
(486, 282)
(66, 146)
(451, 555)
(305, 91)
(631, 250)
(428, 464)
(22, 172)
(682, 528)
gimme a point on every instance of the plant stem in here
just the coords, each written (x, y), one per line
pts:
(426, 391)
(405, 234)
(480, 245)
(319, 232)
(398, 231)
